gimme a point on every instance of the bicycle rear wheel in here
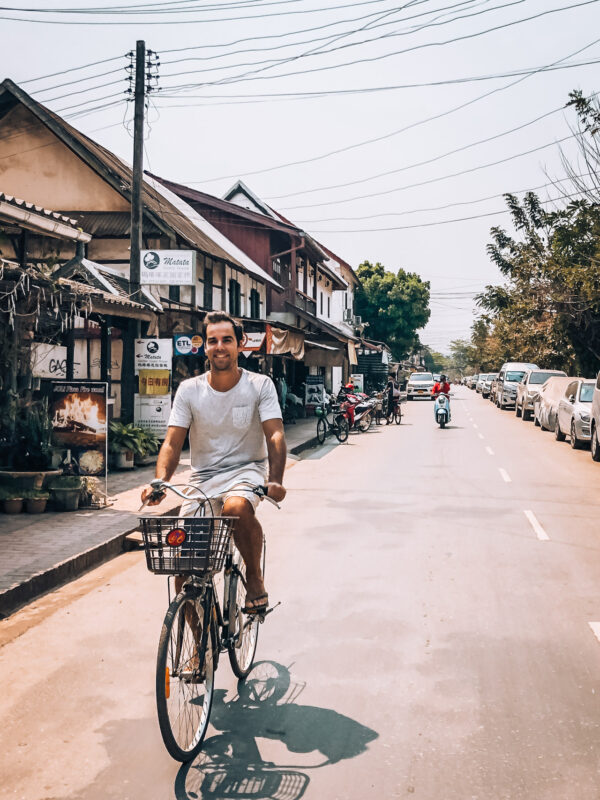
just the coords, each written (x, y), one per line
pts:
(398, 416)
(184, 677)
(242, 628)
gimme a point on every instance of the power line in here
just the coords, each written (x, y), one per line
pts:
(439, 222)
(398, 131)
(425, 162)
(248, 76)
(434, 180)
(72, 69)
(193, 21)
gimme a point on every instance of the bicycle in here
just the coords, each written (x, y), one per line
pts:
(325, 428)
(393, 414)
(197, 628)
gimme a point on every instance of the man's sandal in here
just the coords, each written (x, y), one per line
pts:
(256, 607)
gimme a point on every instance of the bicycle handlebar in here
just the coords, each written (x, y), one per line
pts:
(159, 486)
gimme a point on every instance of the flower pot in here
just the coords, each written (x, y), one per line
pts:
(66, 499)
(124, 459)
(35, 505)
(145, 460)
(13, 506)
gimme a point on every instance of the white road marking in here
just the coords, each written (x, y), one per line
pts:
(505, 476)
(535, 524)
(489, 450)
(595, 626)
(475, 425)
(481, 436)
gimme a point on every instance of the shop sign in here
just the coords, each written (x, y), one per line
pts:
(359, 382)
(252, 342)
(48, 360)
(153, 354)
(185, 345)
(168, 267)
(154, 381)
(314, 390)
(152, 413)
(79, 423)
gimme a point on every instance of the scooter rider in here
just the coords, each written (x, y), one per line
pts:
(441, 387)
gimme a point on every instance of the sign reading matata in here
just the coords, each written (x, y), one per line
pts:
(168, 267)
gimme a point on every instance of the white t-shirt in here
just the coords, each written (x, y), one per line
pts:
(225, 427)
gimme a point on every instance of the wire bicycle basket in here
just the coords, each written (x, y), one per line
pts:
(186, 545)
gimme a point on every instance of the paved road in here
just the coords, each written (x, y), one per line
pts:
(431, 642)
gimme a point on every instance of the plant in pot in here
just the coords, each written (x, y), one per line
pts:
(125, 443)
(150, 445)
(35, 501)
(66, 491)
(12, 499)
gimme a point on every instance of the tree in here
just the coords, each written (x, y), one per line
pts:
(396, 306)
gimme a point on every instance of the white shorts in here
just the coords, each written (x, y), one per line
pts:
(220, 488)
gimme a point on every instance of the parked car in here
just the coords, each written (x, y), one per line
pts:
(595, 421)
(509, 377)
(493, 386)
(480, 382)
(529, 388)
(471, 383)
(574, 413)
(545, 406)
(419, 384)
(488, 383)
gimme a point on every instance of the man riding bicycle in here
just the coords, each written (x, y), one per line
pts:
(231, 414)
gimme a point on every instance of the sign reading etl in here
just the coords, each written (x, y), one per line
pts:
(168, 267)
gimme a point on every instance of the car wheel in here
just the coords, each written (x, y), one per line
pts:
(575, 442)
(536, 421)
(558, 434)
(595, 445)
(526, 414)
(518, 411)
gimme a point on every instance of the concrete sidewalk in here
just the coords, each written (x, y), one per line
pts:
(40, 552)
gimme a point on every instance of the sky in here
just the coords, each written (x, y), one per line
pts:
(361, 122)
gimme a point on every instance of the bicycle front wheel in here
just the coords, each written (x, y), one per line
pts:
(184, 677)
(342, 430)
(321, 431)
(243, 629)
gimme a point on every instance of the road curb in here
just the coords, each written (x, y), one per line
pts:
(70, 569)
(300, 448)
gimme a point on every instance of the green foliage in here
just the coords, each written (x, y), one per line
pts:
(33, 437)
(395, 305)
(35, 494)
(126, 437)
(11, 493)
(437, 362)
(66, 482)
(149, 442)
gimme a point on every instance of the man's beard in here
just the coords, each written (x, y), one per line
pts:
(224, 366)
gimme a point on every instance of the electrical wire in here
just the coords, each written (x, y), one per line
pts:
(398, 131)
(438, 179)
(425, 162)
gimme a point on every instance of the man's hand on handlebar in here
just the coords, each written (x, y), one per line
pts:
(152, 497)
(275, 491)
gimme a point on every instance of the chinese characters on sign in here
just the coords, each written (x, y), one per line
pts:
(168, 267)
(152, 413)
(153, 354)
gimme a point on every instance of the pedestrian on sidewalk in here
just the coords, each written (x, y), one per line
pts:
(236, 431)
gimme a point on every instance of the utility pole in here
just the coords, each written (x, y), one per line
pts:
(138, 169)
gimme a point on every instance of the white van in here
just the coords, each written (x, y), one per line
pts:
(595, 445)
(509, 377)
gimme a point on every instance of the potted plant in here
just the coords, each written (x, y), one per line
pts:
(27, 452)
(66, 492)
(150, 445)
(125, 443)
(12, 500)
(35, 501)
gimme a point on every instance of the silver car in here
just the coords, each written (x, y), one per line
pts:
(529, 388)
(574, 413)
(480, 382)
(545, 405)
(486, 387)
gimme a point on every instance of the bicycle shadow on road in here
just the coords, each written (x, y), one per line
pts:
(265, 707)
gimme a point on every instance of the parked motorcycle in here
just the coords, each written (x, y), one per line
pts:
(359, 407)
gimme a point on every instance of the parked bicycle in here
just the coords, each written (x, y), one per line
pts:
(338, 425)
(197, 627)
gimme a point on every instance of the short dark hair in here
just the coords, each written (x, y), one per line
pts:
(214, 317)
